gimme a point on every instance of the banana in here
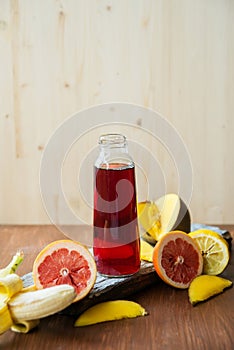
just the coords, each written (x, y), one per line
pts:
(110, 311)
(5, 317)
(13, 265)
(21, 308)
(24, 326)
(9, 285)
(29, 288)
(37, 304)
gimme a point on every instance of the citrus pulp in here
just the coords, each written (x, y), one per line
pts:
(177, 259)
(65, 262)
(214, 250)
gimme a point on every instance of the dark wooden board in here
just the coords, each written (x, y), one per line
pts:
(109, 288)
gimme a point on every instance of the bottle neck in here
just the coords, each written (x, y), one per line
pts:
(113, 151)
(112, 141)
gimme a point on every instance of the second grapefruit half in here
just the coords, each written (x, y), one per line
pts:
(177, 259)
(65, 262)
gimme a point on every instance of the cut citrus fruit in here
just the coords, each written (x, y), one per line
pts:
(149, 218)
(214, 250)
(146, 251)
(168, 213)
(65, 262)
(174, 213)
(177, 259)
(205, 286)
(110, 311)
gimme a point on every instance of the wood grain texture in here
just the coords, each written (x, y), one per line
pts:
(172, 323)
(58, 57)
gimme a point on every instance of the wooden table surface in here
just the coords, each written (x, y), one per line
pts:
(172, 323)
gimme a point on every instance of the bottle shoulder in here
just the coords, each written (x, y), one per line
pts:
(114, 166)
(117, 159)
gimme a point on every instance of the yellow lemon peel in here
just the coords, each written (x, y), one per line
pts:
(110, 311)
(214, 250)
(146, 251)
(205, 286)
(149, 218)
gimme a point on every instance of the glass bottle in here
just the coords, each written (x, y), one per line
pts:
(116, 234)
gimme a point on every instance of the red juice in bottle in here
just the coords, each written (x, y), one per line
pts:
(116, 236)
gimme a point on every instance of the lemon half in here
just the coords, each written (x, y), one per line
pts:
(214, 250)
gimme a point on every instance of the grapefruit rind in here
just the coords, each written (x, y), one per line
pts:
(172, 266)
(71, 246)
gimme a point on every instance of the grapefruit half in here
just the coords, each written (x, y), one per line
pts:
(65, 262)
(177, 259)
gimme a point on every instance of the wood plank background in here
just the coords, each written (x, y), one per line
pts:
(59, 57)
